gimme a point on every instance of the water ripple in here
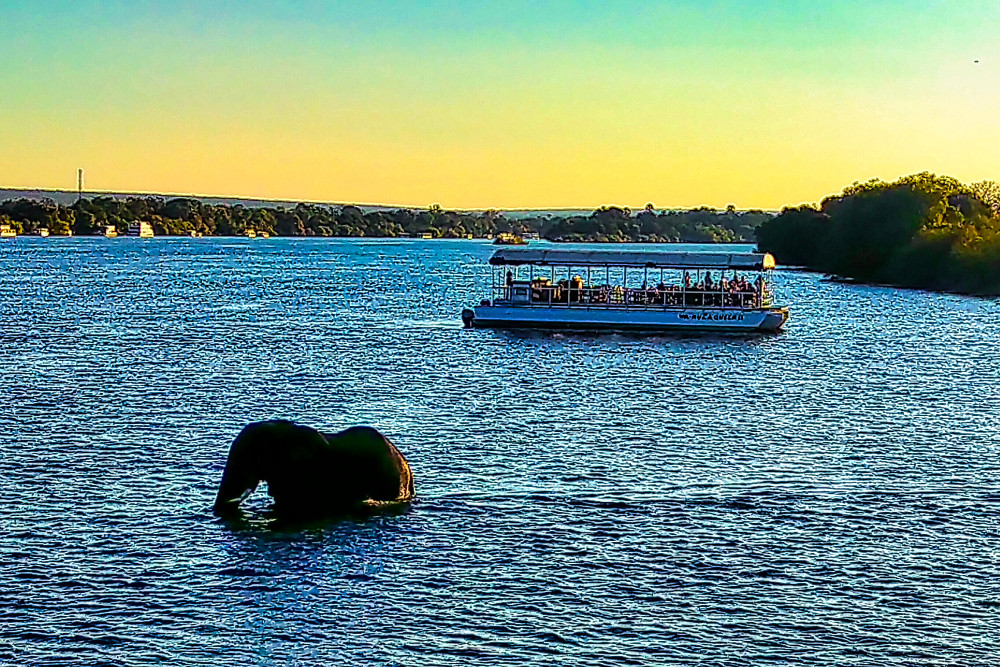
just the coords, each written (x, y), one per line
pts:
(827, 495)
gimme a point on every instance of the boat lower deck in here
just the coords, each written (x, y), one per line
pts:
(652, 319)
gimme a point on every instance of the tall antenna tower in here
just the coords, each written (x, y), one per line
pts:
(79, 184)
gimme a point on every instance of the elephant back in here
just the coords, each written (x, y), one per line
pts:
(368, 467)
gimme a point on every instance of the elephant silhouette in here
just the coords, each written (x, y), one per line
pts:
(310, 472)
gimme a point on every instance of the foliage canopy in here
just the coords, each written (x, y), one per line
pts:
(923, 230)
(182, 216)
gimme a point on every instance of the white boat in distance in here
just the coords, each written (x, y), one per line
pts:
(629, 290)
(141, 229)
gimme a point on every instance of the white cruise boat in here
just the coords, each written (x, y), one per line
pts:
(7, 232)
(629, 290)
(141, 229)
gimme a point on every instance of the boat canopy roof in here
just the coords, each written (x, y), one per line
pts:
(746, 261)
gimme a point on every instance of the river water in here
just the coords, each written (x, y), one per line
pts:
(827, 495)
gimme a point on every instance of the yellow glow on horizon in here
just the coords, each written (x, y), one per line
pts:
(310, 116)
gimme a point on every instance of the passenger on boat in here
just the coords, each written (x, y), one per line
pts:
(736, 292)
(575, 289)
(562, 292)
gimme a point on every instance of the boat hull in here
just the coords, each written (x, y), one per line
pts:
(616, 319)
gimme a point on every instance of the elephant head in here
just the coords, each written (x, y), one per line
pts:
(309, 471)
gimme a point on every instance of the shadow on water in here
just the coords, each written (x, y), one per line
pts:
(645, 338)
(266, 552)
(282, 573)
(272, 520)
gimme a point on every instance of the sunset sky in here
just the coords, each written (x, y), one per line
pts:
(507, 104)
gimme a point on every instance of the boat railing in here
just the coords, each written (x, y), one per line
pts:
(555, 296)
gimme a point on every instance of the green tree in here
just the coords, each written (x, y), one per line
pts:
(988, 192)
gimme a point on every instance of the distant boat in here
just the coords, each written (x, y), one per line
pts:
(43, 232)
(531, 236)
(110, 231)
(426, 235)
(7, 232)
(263, 235)
(141, 229)
(506, 238)
(194, 234)
(251, 233)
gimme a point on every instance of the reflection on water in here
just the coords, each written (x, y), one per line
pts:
(825, 495)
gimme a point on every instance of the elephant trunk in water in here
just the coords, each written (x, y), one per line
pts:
(309, 471)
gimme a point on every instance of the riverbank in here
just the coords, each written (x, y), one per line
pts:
(922, 231)
(188, 216)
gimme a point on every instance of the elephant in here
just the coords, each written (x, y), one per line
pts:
(310, 472)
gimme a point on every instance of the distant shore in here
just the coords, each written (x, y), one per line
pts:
(184, 216)
(921, 231)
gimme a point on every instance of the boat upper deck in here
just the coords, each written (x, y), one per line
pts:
(744, 261)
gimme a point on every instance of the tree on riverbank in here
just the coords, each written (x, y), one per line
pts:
(922, 231)
(184, 215)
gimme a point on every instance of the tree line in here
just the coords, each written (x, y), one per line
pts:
(923, 231)
(184, 216)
